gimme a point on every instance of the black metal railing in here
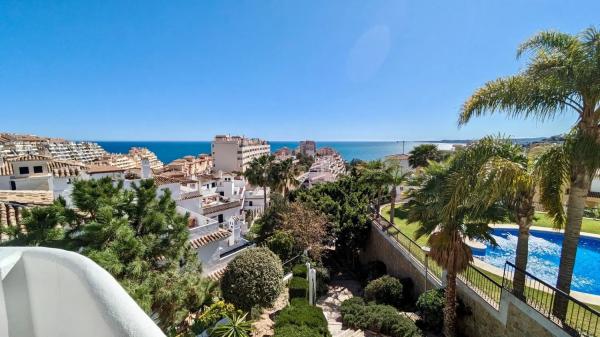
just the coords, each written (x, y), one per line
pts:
(290, 263)
(486, 287)
(579, 320)
(483, 285)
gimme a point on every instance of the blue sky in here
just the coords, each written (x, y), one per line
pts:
(280, 70)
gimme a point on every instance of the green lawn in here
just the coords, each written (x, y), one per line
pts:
(587, 226)
(402, 226)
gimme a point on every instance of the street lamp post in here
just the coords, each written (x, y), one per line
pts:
(426, 250)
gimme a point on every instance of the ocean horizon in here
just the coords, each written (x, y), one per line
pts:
(167, 151)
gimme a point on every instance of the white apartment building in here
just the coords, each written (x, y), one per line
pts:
(234, 153)
(60, 149)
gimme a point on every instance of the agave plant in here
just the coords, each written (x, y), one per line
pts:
(236, 326)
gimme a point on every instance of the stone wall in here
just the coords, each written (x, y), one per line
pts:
(513, 318)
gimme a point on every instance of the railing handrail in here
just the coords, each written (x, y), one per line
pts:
(553, 288)
(484, 275)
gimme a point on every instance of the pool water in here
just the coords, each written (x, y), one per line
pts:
(544, 257)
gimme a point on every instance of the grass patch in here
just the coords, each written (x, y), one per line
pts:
(401, 225)
(587, 225)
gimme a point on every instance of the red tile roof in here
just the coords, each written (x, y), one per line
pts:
(212, 237)
(217, 274)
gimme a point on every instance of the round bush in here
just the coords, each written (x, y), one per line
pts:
(253, 278)
(384, 290)
(430, 306)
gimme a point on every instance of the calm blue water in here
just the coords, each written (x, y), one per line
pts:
(169, 151)
(544, 257)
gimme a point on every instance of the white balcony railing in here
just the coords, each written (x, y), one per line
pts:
(57, 293)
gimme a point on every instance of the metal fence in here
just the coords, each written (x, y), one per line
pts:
(483, 285)
(580, 319)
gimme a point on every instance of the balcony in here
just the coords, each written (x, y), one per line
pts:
(57, 293)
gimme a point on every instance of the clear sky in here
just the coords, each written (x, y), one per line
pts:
(280, 70)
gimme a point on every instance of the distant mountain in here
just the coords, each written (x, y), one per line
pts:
(522, 141)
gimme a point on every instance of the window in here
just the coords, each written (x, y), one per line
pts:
(38, 169)
(222, 193)
(24, 170)
(250, 203)
(13, 185)
(214, 185)
(220, 218)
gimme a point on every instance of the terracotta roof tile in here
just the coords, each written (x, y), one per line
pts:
(27, 197)
(217, 274)
(212, 237)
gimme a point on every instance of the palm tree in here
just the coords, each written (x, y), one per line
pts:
(394, 177)
(375, 175)
(505, 175)
(422, 154)
(447, 225)
(283, 176)
(563, 75)
(259, 173)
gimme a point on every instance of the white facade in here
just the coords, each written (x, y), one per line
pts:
(234, 153)
(48, 292)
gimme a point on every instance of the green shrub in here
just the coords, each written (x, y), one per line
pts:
(296, 331)
(430, 306)
(282, 244)
(299, 270)
(380, 318)
(211, 315)
(253, 278)
(384, 290)
(298, 287)
(301, 314)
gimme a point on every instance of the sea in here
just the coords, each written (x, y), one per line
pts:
(167, 151)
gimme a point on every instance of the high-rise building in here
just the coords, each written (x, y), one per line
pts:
(234, 153)
(308, 148)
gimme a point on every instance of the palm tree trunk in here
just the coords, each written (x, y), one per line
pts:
(393, 205)
(450, 306)
(524, 218)
(580, 186)
(521, 260)
(378, 205)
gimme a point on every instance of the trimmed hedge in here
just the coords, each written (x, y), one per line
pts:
(301, 315)
(253, 278)
(296, 331)
(298, 287)
(430, 306)
(385, 290)
(299, 270)
(380, 318)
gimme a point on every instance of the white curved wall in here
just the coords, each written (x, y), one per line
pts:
(57, 293)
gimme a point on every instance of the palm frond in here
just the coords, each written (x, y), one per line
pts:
(516, 96)
(552, 170)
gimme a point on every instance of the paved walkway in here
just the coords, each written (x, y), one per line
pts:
(340, 289)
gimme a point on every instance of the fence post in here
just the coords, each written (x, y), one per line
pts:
(312, 286)
(444, 281)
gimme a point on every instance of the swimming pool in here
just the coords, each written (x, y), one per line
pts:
(544, 257)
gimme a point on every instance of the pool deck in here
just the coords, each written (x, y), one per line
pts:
(583, 297)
